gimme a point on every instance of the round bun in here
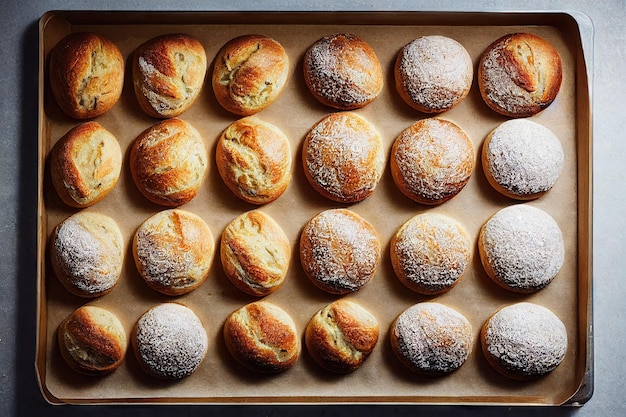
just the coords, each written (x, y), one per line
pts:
(341, 336)
(522, 159)
(433, 73)
(431, 339)
(87, 253)
(342, 71)
(249, 74)
(524, 341)
(339, 251)
(262, 337)
(168, 74)
(521, 248)
(519, 75)
(85, 164)
(430, 253)
(168, 162)
(255, 253)
(432, 160)
(254, 160)
(92, 340)
(343, 157)
(86, 74)
(169, 341)
(173, 251)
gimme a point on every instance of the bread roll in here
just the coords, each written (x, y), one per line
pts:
(249, 74)
(432, 160)
(173, 251)
(430, 253)
(522, 159)
(262, 337)
(85, 164)
(254, 160)
(524, 341)
(342, 71)
(339, 251)
(169, 341)
(92, 340)
(87, 253)
(521, 248)
(519, 75)
(433, 73)
(341, 336)
(168, 74)
(168, 162)
(431, 339)
(255, 253)
(343, 157)
(86, 74)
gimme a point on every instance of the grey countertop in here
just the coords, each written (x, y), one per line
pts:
(19, 393)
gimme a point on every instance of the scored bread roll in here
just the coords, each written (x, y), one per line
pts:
(87, 253)
(254, 160)
(92, 340)
(522, 159)
(250, 73)
(255, 253)
(341, 336)
(432, 160)
(519, 74)
(339, 251)
(433, 73)
(173, 251)
(262, 337)
(343, 71)
(86, 74)
(85, 164)
(168, 162)
(168, 74)
(524, 341)
(343, 157)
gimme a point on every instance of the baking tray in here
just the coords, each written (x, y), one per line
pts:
(382, 379)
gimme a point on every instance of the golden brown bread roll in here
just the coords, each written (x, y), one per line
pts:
(168, 74)
(521, 248)
(432, 160)
(255, 253)
(92, 340)
(519, 74)
(524, 341)
(249, 74)
(343, 157)
(430, 253)
(343, 71)
(431, 339)
(173, 251)
(85, 164)
(254, 160)
(341, 336)
(169, 341)
(433, 73)
(522, 159)
(87, 253)
(168, 162)
(339, 251)
(86, 74)
(262, 337)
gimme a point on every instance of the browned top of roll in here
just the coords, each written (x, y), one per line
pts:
(250, 73)
(343, 71)
(519, 74)
(168, 74)
(168, 162)
(86, 74)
